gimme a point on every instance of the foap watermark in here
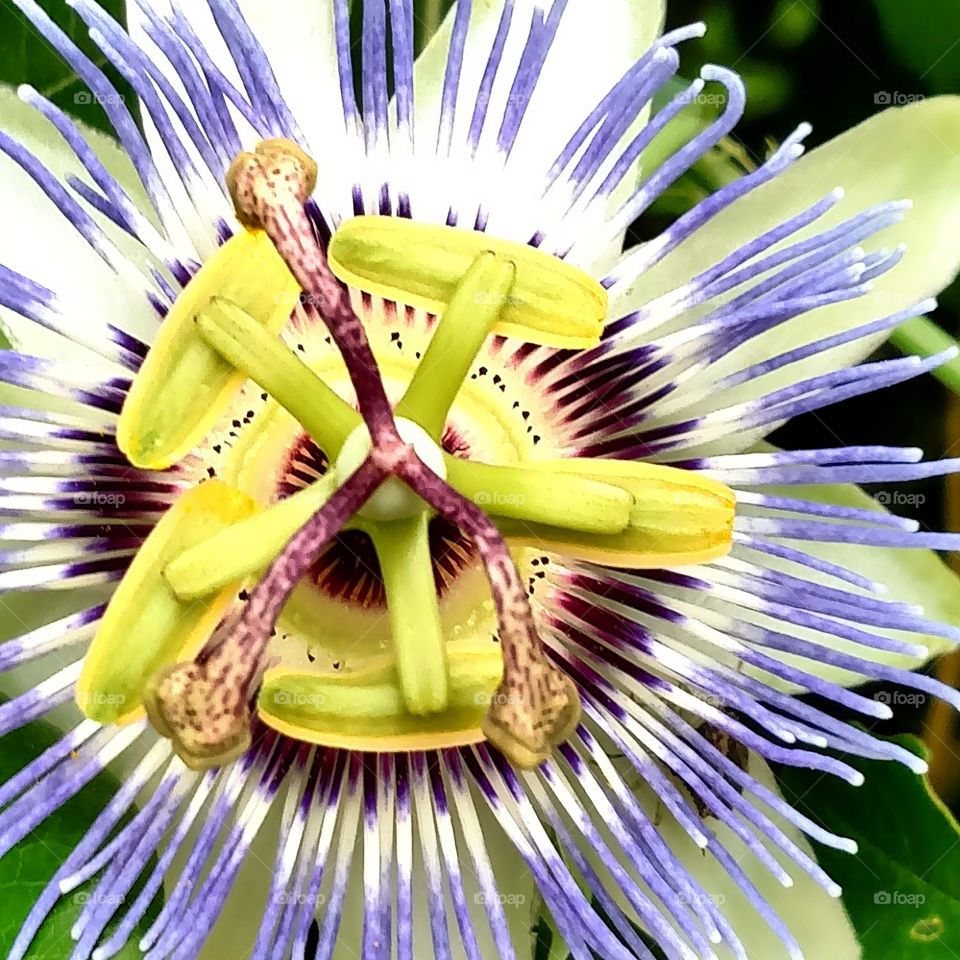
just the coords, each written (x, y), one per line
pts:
(94, 498)
(99, 698)
(897, 498)
(303, 299)
(716, 98)
(497, 498)
(504, 899)
(702, 899)
(487, 298)
(896, 98)
(298, 698)
(87, 97)
(299, 899)
(898, 898)
(497, 698)
(900, 698)
(83, 897)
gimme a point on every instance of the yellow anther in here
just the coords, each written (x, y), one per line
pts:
(365, 710)
(145, 626)
(184, 386)
(678, 517)
(420, 264)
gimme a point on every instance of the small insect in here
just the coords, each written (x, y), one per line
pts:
(732, 749)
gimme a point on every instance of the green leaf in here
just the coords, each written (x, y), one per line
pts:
(28, 867)
(923, 35)
(902, 890)
(545, 940)
(26, 57)
(923, 337)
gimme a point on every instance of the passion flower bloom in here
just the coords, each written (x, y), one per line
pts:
(559, 599)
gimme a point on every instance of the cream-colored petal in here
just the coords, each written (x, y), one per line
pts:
(40, 243)
(910, 152)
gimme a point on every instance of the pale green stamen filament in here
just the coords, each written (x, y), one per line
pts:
(246, 548)
(229, 330)
(466, 323)
(401, 539)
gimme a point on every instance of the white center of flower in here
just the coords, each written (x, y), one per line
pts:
(394, 500)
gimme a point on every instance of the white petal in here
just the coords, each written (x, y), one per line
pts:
(911, 153)
(297, 38)
(299, 41)
(40, 243)
(589, 54)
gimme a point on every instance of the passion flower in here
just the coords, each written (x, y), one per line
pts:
(410, 495)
